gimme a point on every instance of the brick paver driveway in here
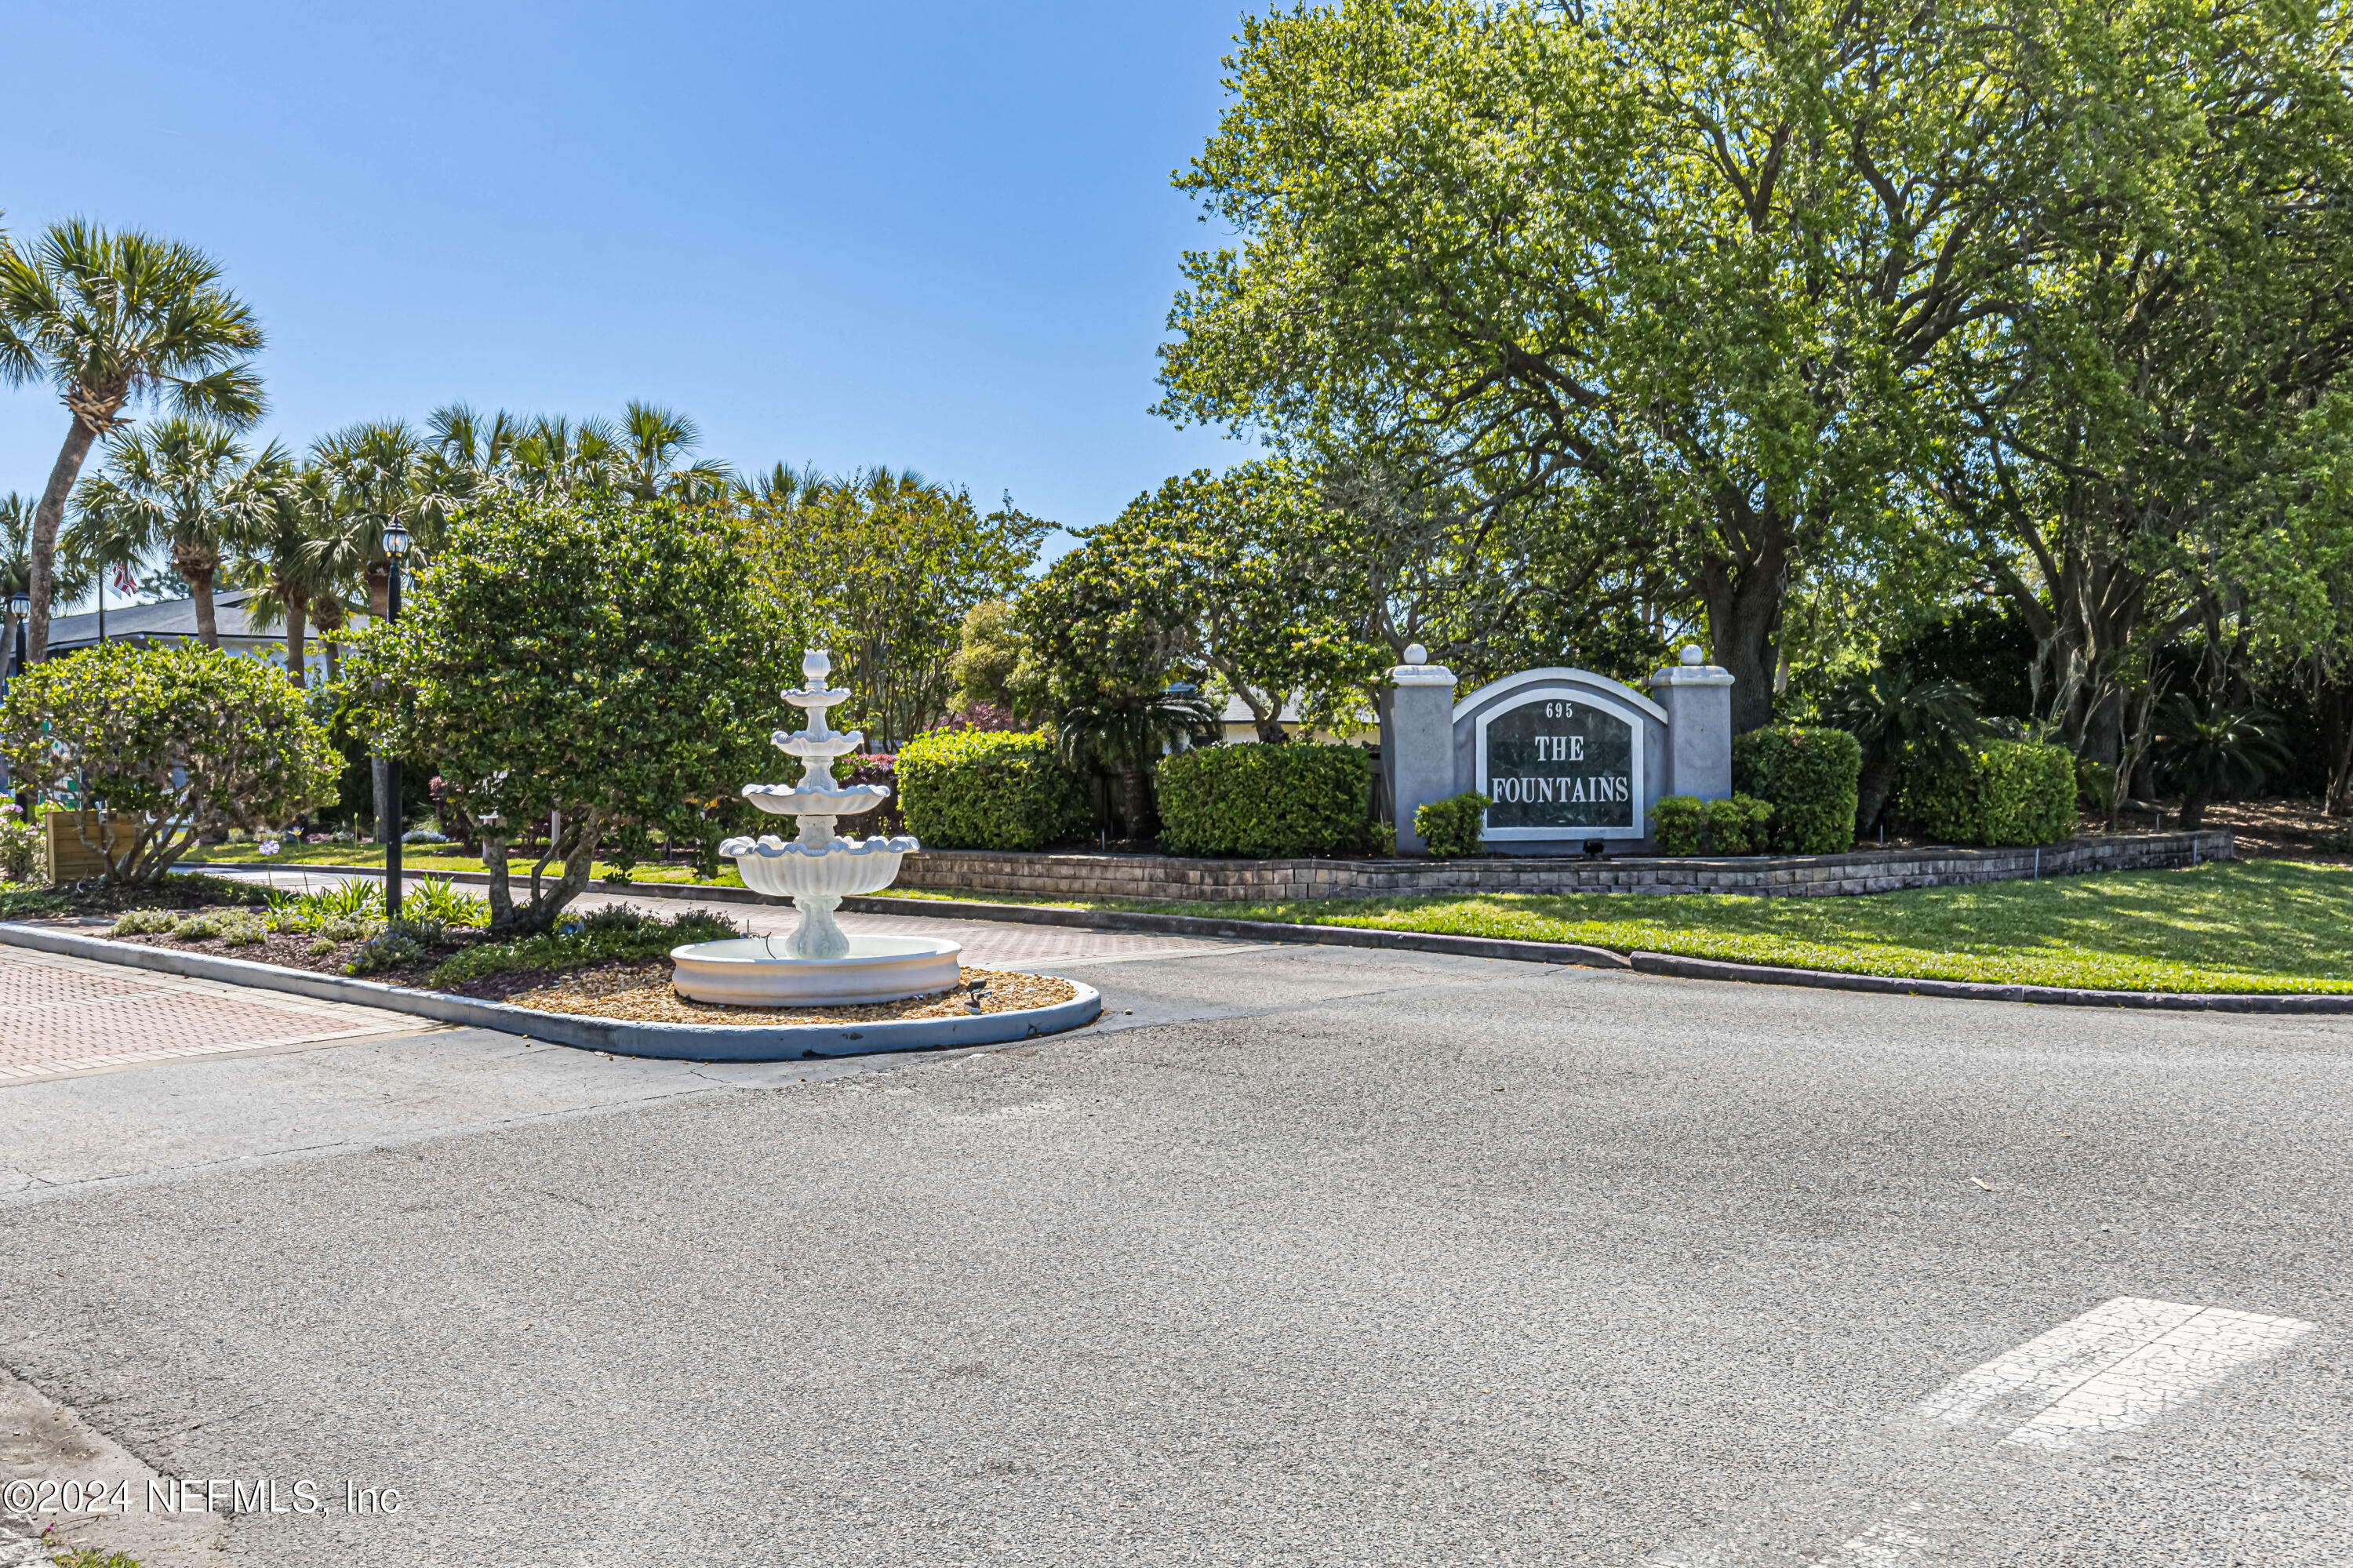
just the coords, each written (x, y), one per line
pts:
(63, 1016)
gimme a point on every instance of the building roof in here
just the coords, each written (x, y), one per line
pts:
(233, 617)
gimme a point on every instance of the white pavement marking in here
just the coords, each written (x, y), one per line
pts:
(2120, 1366)
(2124, 1363)
(1884, 1545)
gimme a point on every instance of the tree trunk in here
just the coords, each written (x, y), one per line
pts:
(46, 518)
(2335, 702)
(200, 588)
(2193, 810)
(294, 651)
(501, 891)
(1134, 796)
(379, 589)
(1744, 612)
(1878, 781)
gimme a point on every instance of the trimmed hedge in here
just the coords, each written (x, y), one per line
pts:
(987, 790)
(1454, 827)
(1810, 776)
(1258, 798)
(2002, 792)
(1685, 824)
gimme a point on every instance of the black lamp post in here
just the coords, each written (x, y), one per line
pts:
(396, 548)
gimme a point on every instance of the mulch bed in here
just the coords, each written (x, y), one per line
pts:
(639, 991)
(642, 994)
(293, 952)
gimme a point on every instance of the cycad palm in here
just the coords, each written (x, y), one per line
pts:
(186, 489)
(108, 320)
(1892, 716)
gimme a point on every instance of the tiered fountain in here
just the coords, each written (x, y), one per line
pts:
(819, 964)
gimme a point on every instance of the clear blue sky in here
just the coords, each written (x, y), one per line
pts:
(931, 235)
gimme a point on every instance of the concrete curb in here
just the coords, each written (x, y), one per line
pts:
(1669, 964)
(1681, 968)
(674, 1041)
(717, 893)
(1125, 920)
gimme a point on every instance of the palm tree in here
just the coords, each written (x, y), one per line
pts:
(92, 546)
(464, 453)
(110, 320)
(1892, 716)
(282, 559)
(2212, 750)
(378, 470)
(186, 489)
(777, 489)
(553, 456)
(652, 441)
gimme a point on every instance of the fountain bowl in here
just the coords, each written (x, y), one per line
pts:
(786, 868)
(753, 971)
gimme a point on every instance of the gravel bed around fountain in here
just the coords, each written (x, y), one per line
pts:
(642, 994)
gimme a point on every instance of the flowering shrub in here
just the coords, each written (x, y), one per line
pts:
(873, 768)
(180, 743)
(20, 846)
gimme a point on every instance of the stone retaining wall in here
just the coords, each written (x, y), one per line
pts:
(1161, 877)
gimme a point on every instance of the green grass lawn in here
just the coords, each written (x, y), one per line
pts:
(423, 859)
(2261, 925)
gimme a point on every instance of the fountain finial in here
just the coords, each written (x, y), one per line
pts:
(815, 665)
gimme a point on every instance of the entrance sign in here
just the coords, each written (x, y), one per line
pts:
(1559, 762)
(1573, 761)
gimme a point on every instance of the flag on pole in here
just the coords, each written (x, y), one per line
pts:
(123, 581)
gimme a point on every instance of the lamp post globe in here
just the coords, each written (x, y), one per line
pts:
(20, 606)
(388, 823)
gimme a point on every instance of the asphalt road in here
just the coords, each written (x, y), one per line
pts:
(1316, 1256)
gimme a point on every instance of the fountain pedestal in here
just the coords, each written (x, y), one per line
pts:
(819, 964)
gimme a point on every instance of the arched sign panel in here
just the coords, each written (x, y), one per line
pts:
(1558, 764)
(1567, 755)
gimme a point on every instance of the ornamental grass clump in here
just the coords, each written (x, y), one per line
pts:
(402, 943)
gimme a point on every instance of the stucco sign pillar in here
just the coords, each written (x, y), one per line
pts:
(1697, 696)
(1420, 757)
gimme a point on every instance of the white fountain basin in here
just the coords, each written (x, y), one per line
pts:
(753, 971)
(786, 868)
(790, 800)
